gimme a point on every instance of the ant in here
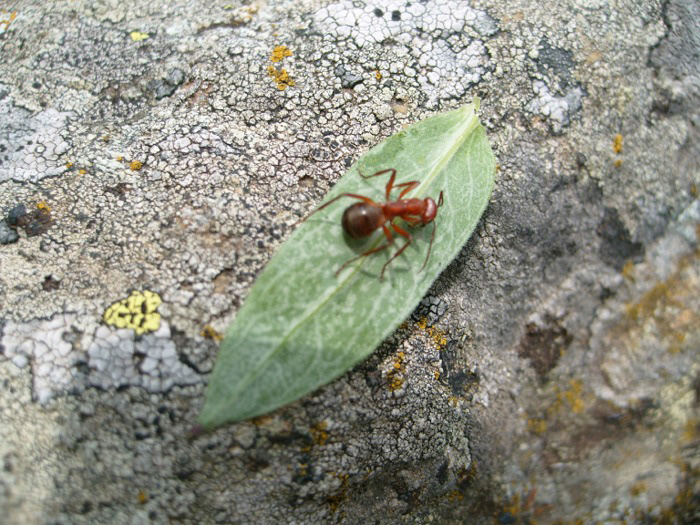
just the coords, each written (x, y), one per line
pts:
(363, 218)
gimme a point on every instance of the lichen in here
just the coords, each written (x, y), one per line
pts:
(138, 312)
(282, 78)
(279, 53)
(138, 36)
(617, 143)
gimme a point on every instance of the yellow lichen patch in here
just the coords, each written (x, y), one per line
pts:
(617, 143)
(377, 74)
(82, 171)
(694, 190)
(142, 497)
(210, 332)
(395, 373)
(279, 53)
(319, 434)
(138, 312)
(42, 206)
(69, 165)
(617, 163)
(138, 36)
(135, 165)
(120, 158)
(282, 78)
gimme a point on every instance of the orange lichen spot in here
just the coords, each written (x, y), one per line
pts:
(677, 340)
(138, 312)
(691, 430)
(336, 499)
(638, 488)
(628, 270)
(7, 18)
(279, 53)
(617, 163)
(399, 108)
(69, 165)
(536, 425)
(142, 497)
(454, 496)
(593, 57)
(209, 332)
(319, 434)
(377, 74)
(260, 421)
(135, 165)
(438, 336)
(647, 305)
(394, 375)
(42, 206)
(282, 78)
(573, 396)
(617, 143)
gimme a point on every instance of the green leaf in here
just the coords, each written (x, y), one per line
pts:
(301, 326)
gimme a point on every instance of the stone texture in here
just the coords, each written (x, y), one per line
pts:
(550, 375)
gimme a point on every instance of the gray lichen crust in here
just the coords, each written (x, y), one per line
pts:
(168, 148)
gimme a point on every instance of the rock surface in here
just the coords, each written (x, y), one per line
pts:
(161, 152)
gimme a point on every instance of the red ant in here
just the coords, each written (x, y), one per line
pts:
(363, 218)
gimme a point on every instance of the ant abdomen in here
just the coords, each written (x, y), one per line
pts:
(362, 219)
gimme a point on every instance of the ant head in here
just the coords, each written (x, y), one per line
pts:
(430, 211)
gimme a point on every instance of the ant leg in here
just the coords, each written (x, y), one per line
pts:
(382, 172)
(410, 186)
(389, 185)
(403, 233)
(353, 195)
(390, 240)
(432, 237)
(440, 200)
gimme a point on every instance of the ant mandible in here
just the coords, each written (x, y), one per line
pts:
(363, 218)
